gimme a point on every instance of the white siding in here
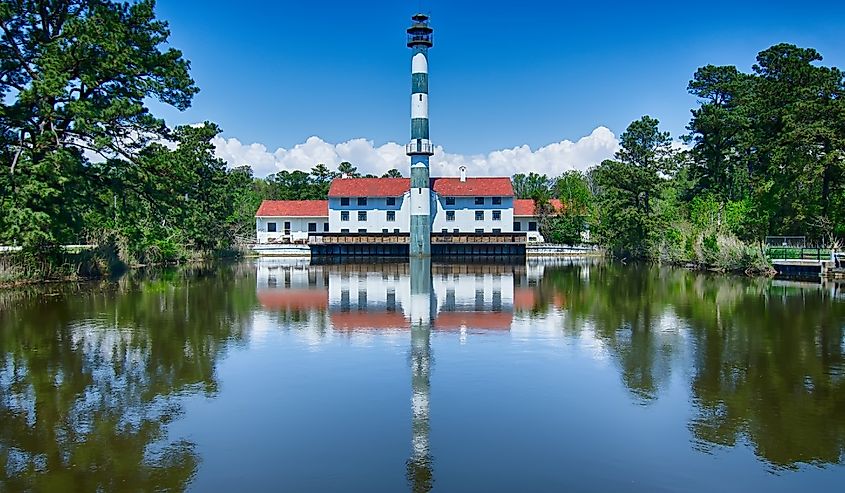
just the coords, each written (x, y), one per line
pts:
(298, 228)
(523, 221)
(465, 209)
(376, 209)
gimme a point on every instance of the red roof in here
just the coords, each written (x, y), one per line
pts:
(293, 208)
(473, 187)
(525, 207)
(369, 187)
(394, 187)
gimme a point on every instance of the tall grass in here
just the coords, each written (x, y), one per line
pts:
(56, 264)
(713, 250)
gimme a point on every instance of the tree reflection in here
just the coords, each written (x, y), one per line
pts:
(90, 378)
(625, 309)
(766, 358)
(770, 369)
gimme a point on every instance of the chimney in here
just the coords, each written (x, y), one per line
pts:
(343, 176)
(463, 173)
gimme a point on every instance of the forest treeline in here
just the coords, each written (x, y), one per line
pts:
(85, 160)
(764, 155)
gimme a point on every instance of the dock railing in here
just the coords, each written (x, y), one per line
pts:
(798, 253)
(404, 238)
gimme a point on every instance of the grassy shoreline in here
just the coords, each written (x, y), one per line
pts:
(18, 269)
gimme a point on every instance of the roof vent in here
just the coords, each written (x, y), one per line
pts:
(463, 173)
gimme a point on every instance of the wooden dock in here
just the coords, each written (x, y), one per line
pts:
(397, 244)
(827, 269)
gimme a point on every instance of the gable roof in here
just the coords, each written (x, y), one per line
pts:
(293, 208)
(473, 187)
(369, 187)
(394, 187)
(525, 207)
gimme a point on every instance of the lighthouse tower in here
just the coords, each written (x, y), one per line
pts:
(420, 148)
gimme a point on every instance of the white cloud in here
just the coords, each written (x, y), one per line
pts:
(551, 160)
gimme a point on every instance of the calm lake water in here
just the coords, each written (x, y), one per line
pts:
(277, 375)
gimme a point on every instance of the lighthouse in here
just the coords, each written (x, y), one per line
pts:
(419, 148)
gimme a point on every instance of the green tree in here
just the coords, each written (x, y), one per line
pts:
(321, 177)
(716, 132)
(629, 186)
(346, 168)
(568, 224)
(76, 76)
(531, 186)
(392, 173)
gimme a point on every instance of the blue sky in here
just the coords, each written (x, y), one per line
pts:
(503, 74)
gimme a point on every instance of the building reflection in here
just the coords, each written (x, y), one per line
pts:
(417, 297)
(369, 297)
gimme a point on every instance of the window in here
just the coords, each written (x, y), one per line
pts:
(271, 227)
(497, 230)
(362, 215)
(325, 227)
(312, 227)
(479, 230)
(450, 215)
(517, 226)
(396, 230)
(344, 201)
(391, 215)
(344, 230)
(362, 230)
(391, 201)
(450, 200)
(479, 215)
(444, 230)
(362, 200)
(497, 200)
(497, 215)
(479, 201)
(344, 215)
(287, 227)
(384, 230)
(532, 225)
(456, 230)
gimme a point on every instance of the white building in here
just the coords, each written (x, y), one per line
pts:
(290, 221)
(382, 205)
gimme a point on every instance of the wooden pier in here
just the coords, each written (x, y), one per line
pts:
(397, 244)
(826, 269)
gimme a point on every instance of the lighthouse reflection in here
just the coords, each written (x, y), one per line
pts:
(391, 299)
(419, 467)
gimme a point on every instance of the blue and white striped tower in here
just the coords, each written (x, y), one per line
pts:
(420, 148)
